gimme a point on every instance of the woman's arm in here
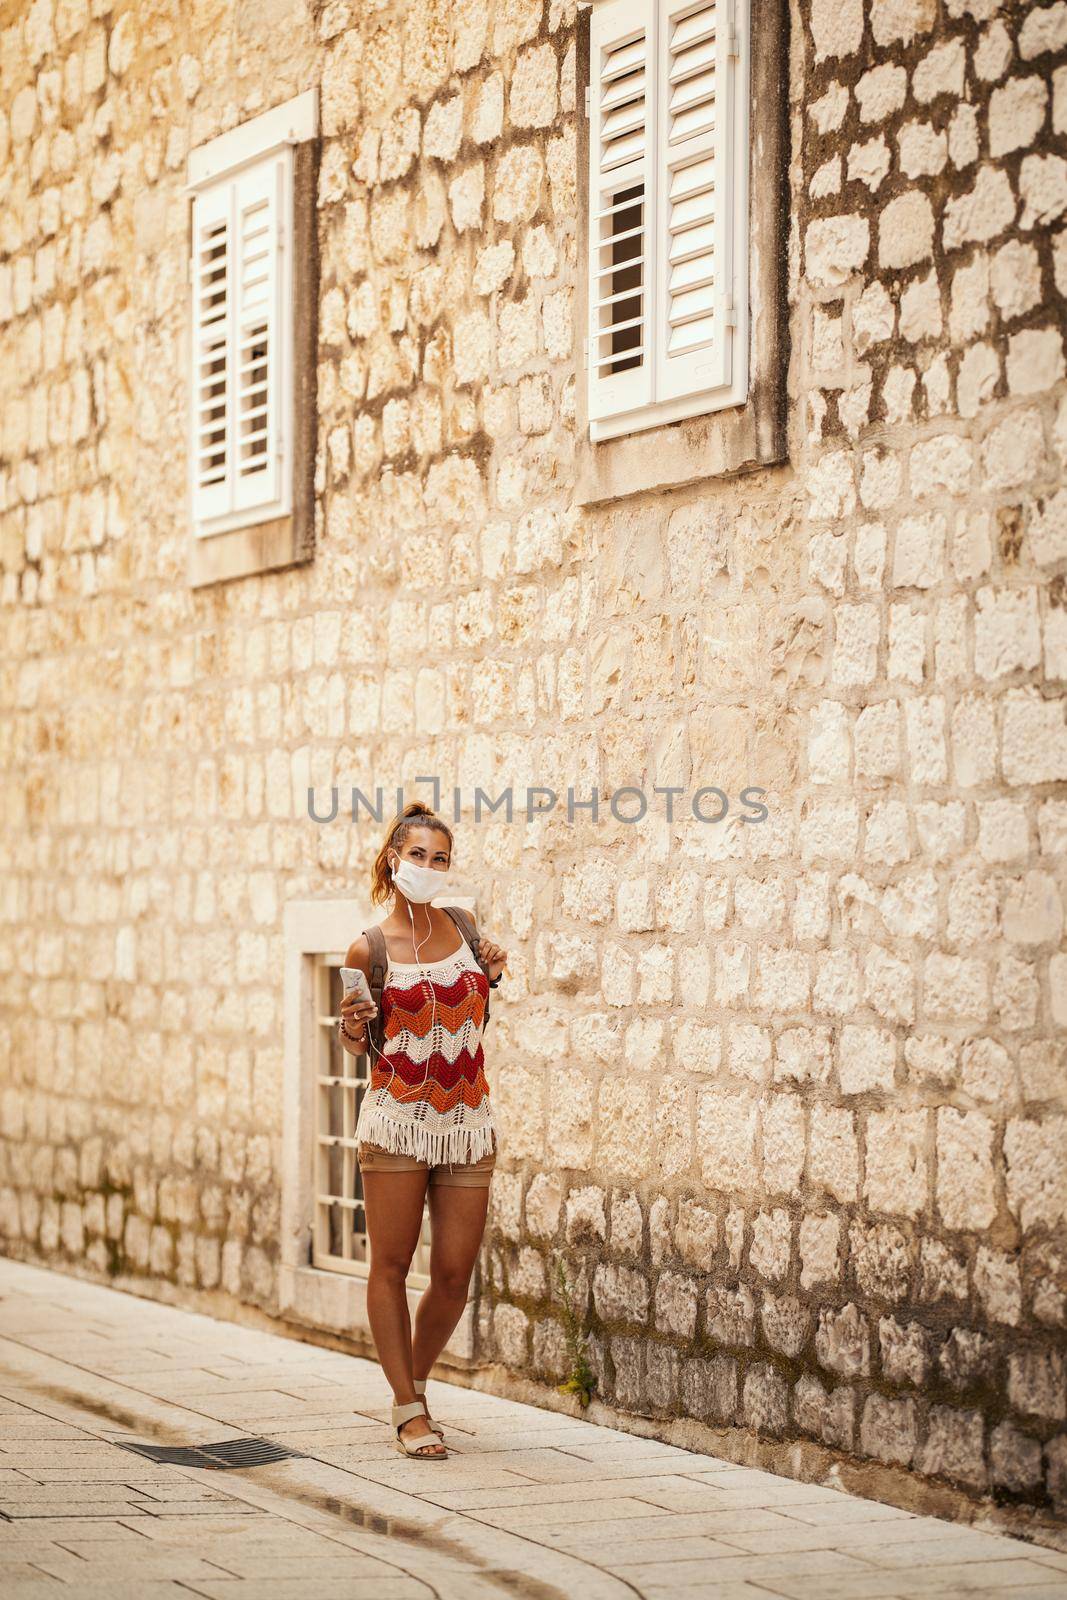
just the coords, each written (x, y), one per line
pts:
(354, 1011)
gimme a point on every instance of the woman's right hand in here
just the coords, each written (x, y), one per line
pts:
(355, 1013)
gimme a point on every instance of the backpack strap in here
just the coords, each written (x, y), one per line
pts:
(378, 966)
(469, 929)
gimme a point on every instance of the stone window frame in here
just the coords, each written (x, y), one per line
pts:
(279, 541)
(740, 438)
(322, 1297)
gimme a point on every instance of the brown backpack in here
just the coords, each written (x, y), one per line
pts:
(378, 965)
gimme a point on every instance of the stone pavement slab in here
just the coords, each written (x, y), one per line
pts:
(530, 1502)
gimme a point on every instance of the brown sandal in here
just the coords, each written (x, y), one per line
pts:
(420, 1390)
(421, 1449)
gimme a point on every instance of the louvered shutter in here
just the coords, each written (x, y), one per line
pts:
(258, 357)
(697, 156)
(212, 385)
(621, 205)
(242, 346)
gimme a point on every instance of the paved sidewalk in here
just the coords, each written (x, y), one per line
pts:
(532, 1504)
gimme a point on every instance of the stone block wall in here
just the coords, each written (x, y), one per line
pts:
(789, 1100)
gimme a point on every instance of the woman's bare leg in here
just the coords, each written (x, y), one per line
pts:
(457, 1223)
(394, 1202)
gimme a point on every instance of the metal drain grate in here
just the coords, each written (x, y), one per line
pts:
(227, 1454)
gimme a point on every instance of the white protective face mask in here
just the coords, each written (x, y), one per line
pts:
(418, 884)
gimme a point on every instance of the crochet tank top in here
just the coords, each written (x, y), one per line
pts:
(428, 1096)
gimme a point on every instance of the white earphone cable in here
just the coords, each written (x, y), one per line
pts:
(416, 1088)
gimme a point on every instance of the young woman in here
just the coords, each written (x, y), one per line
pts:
(425, 1125)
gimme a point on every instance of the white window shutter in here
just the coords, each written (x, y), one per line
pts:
(212, 375)
(242, 330)
(257, 344)
(621, 205)
(698, 159)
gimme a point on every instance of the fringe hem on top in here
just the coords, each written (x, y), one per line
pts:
(423, 1143)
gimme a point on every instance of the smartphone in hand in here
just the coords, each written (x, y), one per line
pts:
(354, 979)
(357, 1002)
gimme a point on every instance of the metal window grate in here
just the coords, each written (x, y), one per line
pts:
(339, 1234)
(227, 1454)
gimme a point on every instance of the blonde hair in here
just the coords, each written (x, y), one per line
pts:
(416, 814)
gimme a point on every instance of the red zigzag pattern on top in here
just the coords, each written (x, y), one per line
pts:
(409, 1010)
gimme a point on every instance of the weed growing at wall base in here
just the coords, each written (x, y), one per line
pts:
(581, 1380)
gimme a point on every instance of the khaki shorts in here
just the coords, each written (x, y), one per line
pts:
(457, 1175)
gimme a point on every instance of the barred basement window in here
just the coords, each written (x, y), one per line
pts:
(324, 1254)
(339, 1226)
(668, 211)
(248, 264)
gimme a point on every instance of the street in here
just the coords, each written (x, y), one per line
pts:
(530, 1503)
